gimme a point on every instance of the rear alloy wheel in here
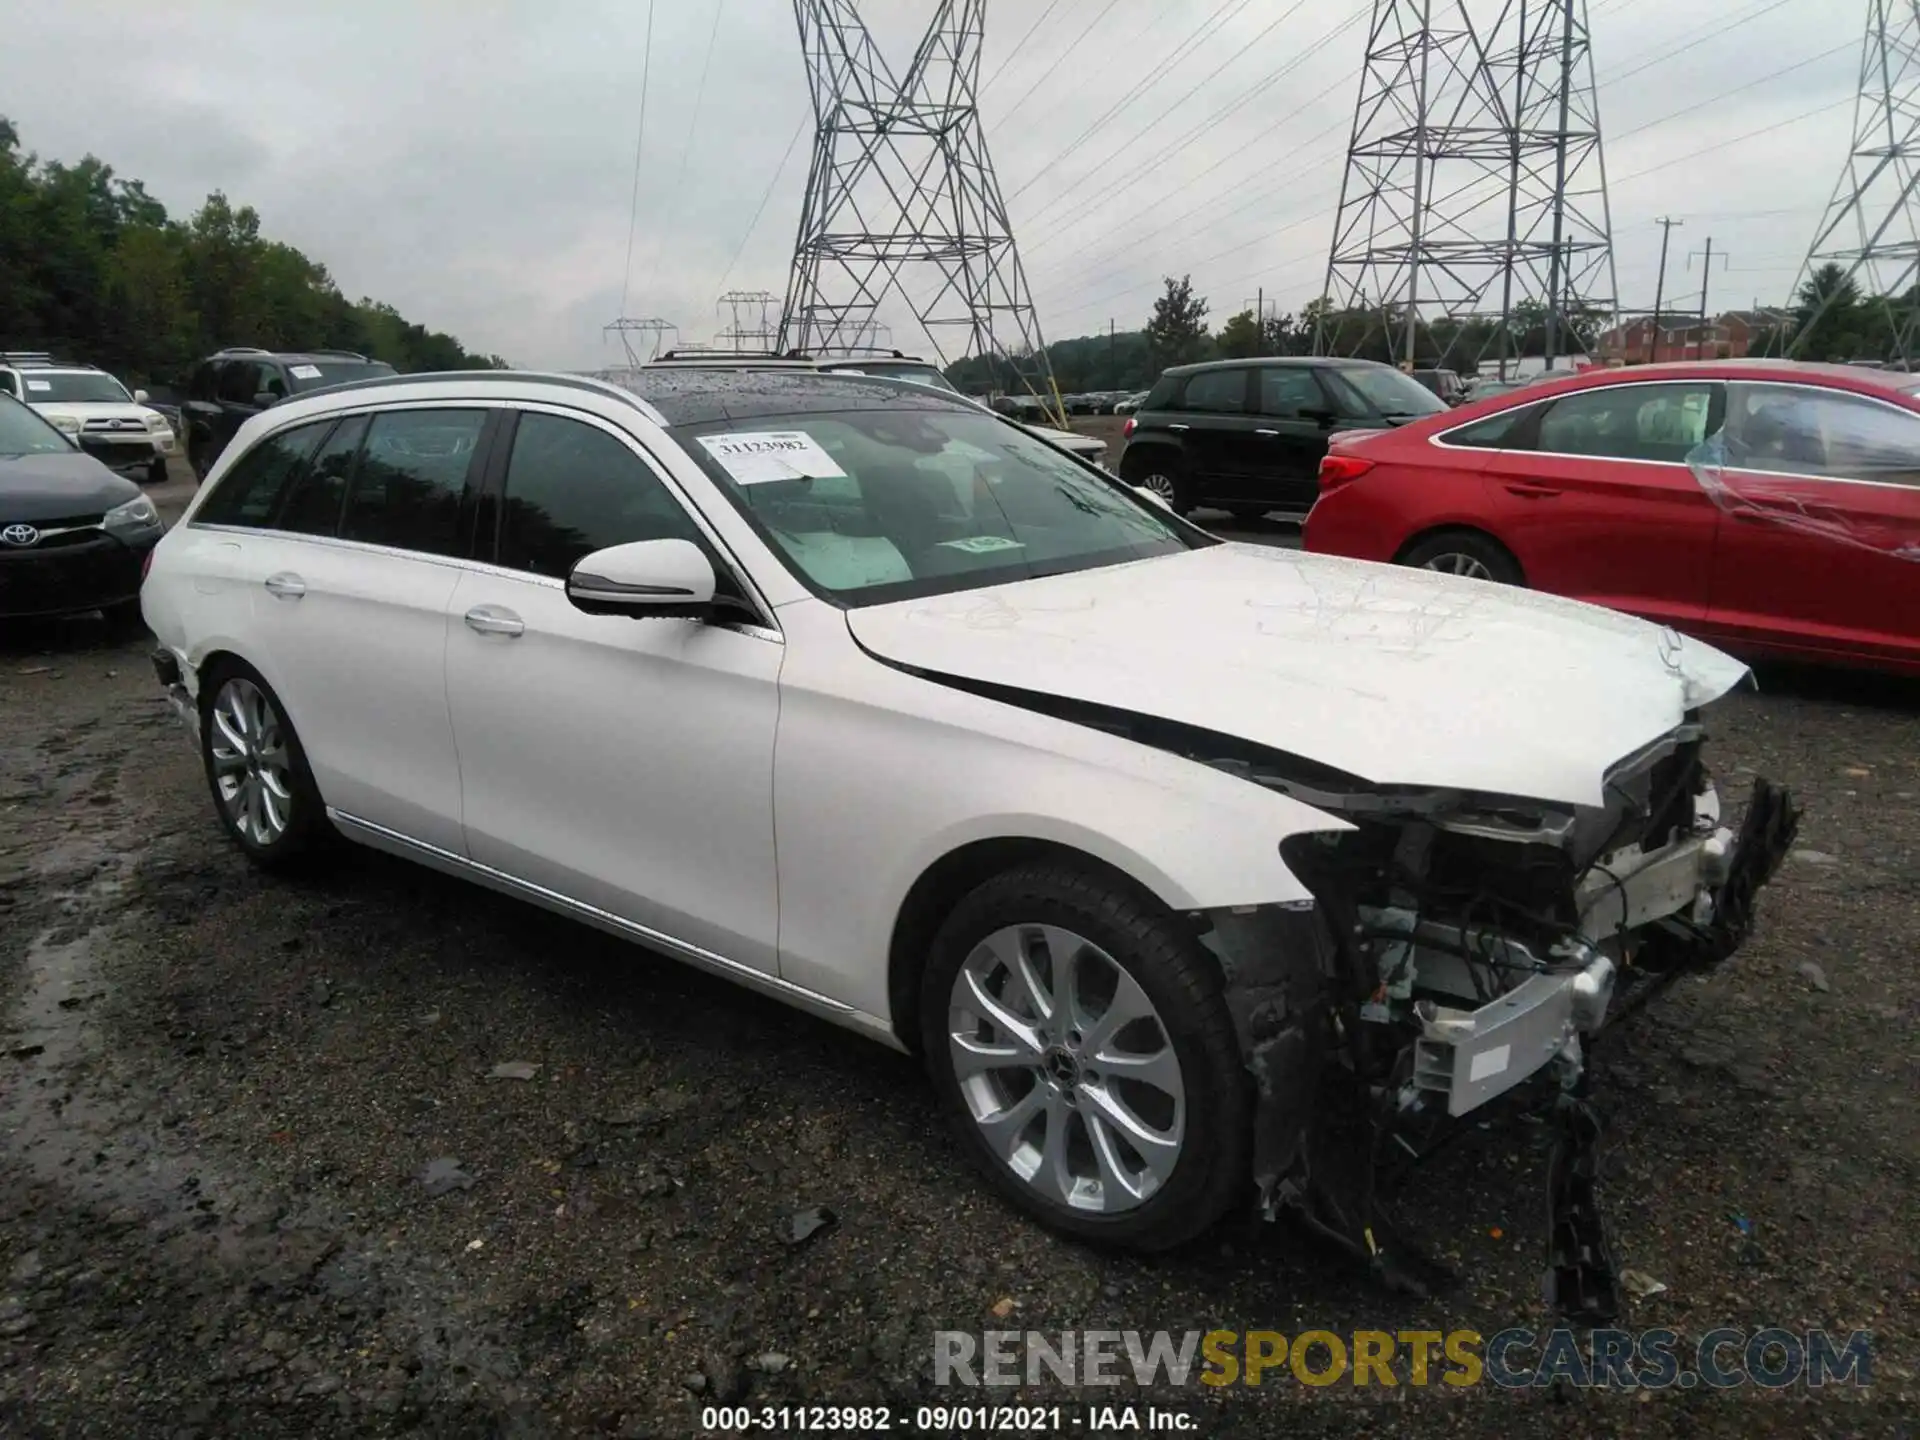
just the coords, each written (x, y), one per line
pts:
(256, 769)
(1467, 553)
(1083, 1051)
(1162, 479)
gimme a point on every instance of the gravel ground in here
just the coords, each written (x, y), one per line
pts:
(258, 1178)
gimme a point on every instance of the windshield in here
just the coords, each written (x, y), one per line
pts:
(918, 372)
(69, 387)
(312, 374)
(871, 506)
(1391, 392)
(24, 433)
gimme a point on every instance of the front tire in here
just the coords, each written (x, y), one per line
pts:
(1080, 1044)
(257, 772)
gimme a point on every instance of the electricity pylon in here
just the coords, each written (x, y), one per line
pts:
(1474, 208)
(902, 192)
(1871, 228)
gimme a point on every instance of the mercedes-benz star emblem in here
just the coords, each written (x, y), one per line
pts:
(19, 534)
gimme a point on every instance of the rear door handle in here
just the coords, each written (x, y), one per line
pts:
(1526, 490)
(285, 585)
(495, 620)
(1268, 433)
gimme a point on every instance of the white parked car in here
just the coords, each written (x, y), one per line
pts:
(94, 410)
(1176, 859)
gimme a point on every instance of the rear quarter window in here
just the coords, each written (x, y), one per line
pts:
(249, 493)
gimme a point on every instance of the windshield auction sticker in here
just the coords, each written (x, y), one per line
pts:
(761, 456)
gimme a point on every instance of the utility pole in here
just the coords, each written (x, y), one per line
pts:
(1260, 321)
(1706, 274)
(1660, 285)
(1113, 351)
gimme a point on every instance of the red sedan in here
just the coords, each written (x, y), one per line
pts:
(1770, 507)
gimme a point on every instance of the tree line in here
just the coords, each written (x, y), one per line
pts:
(93, 269)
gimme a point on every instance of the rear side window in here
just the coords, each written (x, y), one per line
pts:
(250, 491)
(1629, 422)
(1502, 431)
(202, 385)
(573, 489)
(8, 386)
(312, 505)
(412, 477)
(1217, 392)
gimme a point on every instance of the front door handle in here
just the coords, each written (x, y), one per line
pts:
(1526, 490)
(285, 585)
(1268, 433)
(494, 620)
(1178, 429)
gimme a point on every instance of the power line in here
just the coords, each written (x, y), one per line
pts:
(1065, 52)
(1724, 94)
(1138, 92)
(765, 196)
(693, 125)
(639, 149)
(1736, 139)
(1020, 45)
(1711, 30)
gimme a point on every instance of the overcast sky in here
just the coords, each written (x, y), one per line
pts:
(472, 161)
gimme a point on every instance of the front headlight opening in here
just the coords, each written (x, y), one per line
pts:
(136, 514)
(158, 422)
(68, 423)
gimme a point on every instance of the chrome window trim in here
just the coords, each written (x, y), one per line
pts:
(393, 842)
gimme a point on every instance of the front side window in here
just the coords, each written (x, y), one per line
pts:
(24, 433)
(1289, 392)
(869, 506)
(1388, 392)
(237, 381)
(74, 387)
(1217, 392)
(572, 489)
(1629, 422)
(1795, 430)
(312, 503)
(249, 492)
(412, 476)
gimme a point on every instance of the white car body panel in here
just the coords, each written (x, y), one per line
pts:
(624, 763)
(1394, 675)
(879, 774)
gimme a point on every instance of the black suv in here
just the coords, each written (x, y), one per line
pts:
(1247, 436)
(230, 388)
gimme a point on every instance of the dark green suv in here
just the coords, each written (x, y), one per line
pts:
(230, 388)
(1247, 436)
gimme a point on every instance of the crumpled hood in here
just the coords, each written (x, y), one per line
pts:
(1399, 676)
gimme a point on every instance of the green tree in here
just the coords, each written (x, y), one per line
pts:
(1828, 312)
(1240, 337)
(1177, 333)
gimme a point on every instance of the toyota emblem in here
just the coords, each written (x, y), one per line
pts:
(19, 534)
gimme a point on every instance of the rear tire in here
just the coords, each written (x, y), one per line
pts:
(257, 772)
(1163, 475)
(157, 470)
(1470, 553)
(1112, 1103)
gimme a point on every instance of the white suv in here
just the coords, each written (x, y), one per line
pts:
(95, 411)
(1172, 857)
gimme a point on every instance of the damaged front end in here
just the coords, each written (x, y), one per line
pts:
(1457, 946)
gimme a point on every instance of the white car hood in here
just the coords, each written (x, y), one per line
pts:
(1398, 676)
(84, 410)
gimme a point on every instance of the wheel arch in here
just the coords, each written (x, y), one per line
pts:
(1141, 452)
(1456, 527)
(948, 880)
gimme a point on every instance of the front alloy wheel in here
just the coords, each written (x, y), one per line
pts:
(1162, 485)
(1066, 1068)
(252, 770)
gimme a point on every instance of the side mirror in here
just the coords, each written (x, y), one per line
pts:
(644, 578)
(139, 397)
(1146, 494)
(266, 399)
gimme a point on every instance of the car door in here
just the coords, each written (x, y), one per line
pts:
(1216, 425)
(1596, 499)
(1820, 538)
(1289, 438)
(622, 763)
(350, 585)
